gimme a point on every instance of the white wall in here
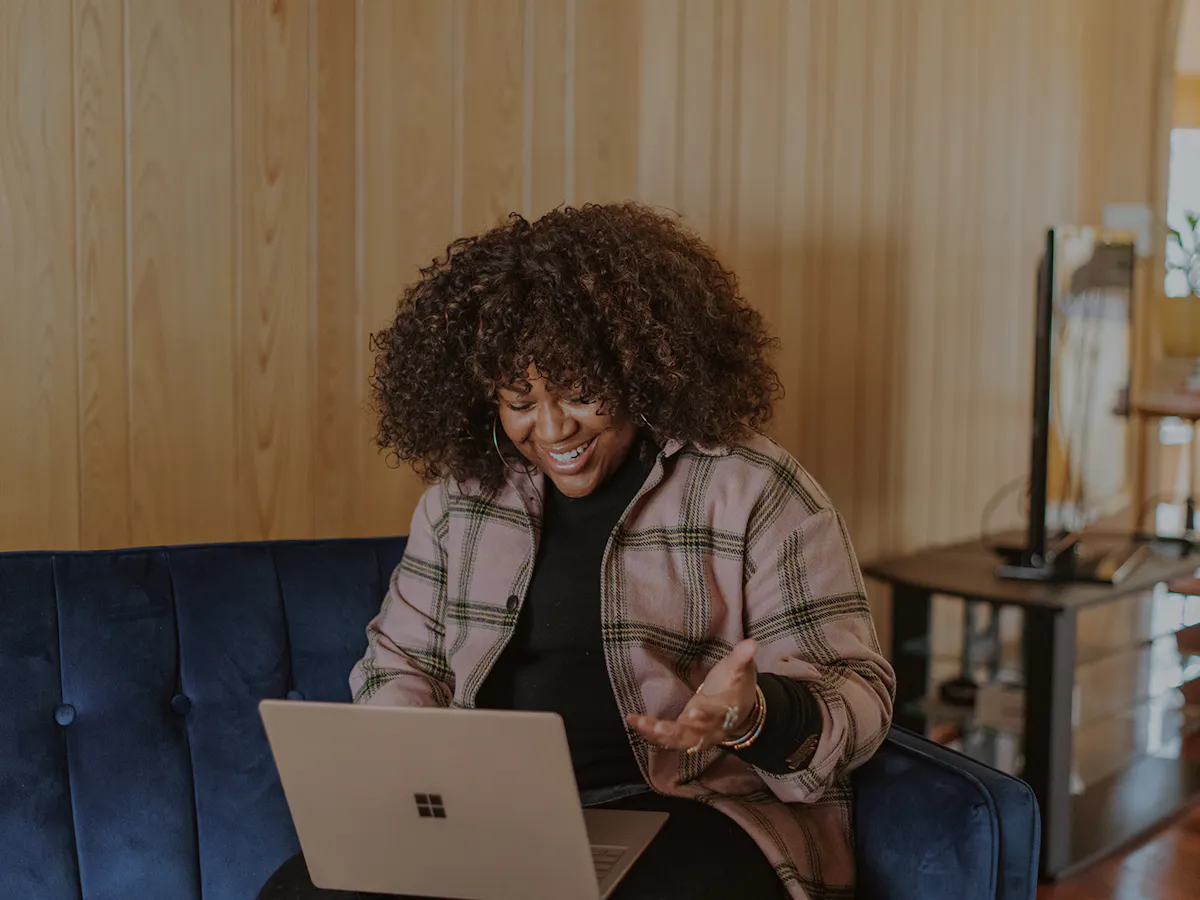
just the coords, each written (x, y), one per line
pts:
(1189, 39)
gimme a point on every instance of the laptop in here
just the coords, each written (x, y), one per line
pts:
(466, 804)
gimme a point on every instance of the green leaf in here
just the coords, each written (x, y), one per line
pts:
(1193, 220)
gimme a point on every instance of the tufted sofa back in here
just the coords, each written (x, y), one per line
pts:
(132, 759)
(133, 763)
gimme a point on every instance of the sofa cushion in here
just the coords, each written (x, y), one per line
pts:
(37, 835)
(137, 751)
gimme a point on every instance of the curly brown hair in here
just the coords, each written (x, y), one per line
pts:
(617, 301)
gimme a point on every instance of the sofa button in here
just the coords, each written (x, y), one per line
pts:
(513, 601)
(181, 705)
(294, 694)
(65, 714)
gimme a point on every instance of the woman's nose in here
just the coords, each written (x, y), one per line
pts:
(553, 425)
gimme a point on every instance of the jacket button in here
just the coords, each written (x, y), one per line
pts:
(294, 694)
(181, 705)
(65, 714)
(513, 601)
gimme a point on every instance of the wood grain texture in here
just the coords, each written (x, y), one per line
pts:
(879, 239)
(408, 196)
(340, 341)
(99, 153)
(1166, 866)
(250, 186)
(607, 85)
(183, 359)
(658, 109)
(493, 95)
(39, 449)
(275, 298)
(697, 108)
(546, 140)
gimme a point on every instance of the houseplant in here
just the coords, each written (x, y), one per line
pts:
(1180, 315)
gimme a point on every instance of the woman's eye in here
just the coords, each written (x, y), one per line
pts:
(520, 407)
(582, 401)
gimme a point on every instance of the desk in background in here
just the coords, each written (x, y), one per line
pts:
(1081, 820)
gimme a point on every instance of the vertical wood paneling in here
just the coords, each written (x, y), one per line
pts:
(99, 150)
(842, 247)
(275, 290)
(39, 461)
(727, 65)
(954, 276)
(493, 122)
(658, 123)
(798, 300)
(547, 151)
(607, 83)
(253, 184)
(877, 212)
(182, 348)
(755, 253)
(408, 195)
(697, 87)
(919, 332)
(340, 384)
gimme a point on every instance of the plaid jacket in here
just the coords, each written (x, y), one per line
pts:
(717, 545)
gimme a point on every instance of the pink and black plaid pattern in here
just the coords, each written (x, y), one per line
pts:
(718, 545)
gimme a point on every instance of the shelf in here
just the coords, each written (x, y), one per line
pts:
(1133, 622)
(1152, 728)
(1129, 680)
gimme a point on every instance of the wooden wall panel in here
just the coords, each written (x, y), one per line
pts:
(696, 122)
(408, 192)
(605, 100)
(275, 284)
(99, 151)
(658, 120)
(184, 364)
(492, 110)
(339, 347)
(254, 183)
(879, 211)
(39, 446)
(547, 157)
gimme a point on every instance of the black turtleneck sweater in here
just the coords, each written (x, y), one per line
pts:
(554, 660)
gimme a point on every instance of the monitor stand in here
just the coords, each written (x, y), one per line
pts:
(1075, 564)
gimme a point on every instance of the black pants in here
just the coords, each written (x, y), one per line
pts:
(700, 854)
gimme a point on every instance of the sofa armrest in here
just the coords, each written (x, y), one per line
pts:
(931, 823)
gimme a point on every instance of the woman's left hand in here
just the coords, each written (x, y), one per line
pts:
(706, 720)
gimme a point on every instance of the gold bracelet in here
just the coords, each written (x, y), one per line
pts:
(760, 718)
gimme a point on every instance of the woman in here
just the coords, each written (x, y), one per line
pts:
(609, 538)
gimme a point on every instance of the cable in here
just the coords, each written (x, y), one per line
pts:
(993, 504)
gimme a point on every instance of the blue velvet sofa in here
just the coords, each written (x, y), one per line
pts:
(133, 765)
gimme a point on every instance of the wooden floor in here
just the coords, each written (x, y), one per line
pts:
(1165, 867)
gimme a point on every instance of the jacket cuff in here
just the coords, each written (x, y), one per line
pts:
(793, 718)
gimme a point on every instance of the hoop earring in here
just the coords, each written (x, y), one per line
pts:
(496, 444)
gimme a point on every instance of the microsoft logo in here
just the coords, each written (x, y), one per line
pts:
(430, 806)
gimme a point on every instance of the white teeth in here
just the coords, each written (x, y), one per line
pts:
(567, 457)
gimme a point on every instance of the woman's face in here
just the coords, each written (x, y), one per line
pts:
(574, 440)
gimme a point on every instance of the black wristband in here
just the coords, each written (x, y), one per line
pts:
(793, 716)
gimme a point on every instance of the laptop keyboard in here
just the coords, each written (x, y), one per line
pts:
(604, 857)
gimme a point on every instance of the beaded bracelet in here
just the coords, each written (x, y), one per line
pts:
(760, 718)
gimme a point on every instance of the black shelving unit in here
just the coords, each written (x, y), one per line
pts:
(1106, 766)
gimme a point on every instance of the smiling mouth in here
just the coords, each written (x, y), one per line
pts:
(571, 455)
